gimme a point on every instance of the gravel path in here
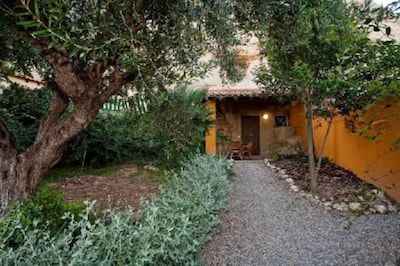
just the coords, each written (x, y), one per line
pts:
(267, 224)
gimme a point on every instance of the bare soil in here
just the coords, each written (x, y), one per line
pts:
(125, 187)
(334, 182)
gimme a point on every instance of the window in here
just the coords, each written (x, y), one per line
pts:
(281, 121)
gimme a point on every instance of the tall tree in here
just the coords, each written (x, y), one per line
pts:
(318, 53)
(87, 51)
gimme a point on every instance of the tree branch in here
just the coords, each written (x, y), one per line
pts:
(57, 107)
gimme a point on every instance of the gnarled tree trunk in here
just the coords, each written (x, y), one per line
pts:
(20, 173)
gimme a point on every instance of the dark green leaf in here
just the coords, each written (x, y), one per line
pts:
(36, 8)
(28, 23)
(41, 33)
(368, 20)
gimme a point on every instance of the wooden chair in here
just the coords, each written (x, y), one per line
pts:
(236, 151)
(246, 149)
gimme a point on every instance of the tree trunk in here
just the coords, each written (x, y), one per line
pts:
(21, 173)
(321, 152)
(310, 146)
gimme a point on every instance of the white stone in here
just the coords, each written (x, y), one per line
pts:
(392, 208)
(381, 195)
(328, 204)
(285, 176)
(316, 201)
(372, 210)
(295, 188)
(355, 206)
(341, 206)
(375, 191)
(361, 198)
(290, 181)
(309, 196)
(381, 209)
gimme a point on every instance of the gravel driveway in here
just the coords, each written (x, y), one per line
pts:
(267, 224)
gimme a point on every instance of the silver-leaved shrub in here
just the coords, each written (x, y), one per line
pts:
(171, 231)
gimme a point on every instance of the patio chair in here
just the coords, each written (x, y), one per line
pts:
(246, 149)
(236, 151)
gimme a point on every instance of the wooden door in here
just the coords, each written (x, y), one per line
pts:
(251, 132)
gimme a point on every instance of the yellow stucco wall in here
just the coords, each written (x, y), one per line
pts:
(372, 161)
(296, 120)
(211, 137)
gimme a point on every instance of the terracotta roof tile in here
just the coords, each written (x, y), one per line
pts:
(232, 92)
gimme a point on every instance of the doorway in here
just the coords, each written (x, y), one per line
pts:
(251, 132)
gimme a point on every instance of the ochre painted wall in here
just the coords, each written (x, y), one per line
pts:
(372, 161)
(211, 137)
(296, 120)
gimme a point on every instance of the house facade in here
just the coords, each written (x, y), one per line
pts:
(244, 116)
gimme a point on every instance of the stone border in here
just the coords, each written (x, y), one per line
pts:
(362, 207)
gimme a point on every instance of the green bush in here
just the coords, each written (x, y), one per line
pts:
(174, 126)
(108, 140)
(171, 231)
(21, 110)
(273, 154)
(42, 212)
(170, 131)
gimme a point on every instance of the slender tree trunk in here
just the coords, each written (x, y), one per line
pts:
(321, 152)
(310, 144)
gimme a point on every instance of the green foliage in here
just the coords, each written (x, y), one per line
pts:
(108, 140)
(21, 110)
(162, 40)
(172, 129)
(303, 159)
(273, 154)
(171, 231)
(306, 43)
(174, 126)
(42, 212)
(318, 53)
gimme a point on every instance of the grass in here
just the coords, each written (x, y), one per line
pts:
(65, 172)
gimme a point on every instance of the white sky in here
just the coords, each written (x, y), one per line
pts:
(383, 2)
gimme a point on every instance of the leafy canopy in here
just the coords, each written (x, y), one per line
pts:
(158, 41)
(319, 47)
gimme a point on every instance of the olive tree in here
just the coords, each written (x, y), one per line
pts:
(86, 51)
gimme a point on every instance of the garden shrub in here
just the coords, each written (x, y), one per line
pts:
(108, 140)
(171, 231)
(171, 130)
(175, 125)
(42, 212)
(21, 110)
